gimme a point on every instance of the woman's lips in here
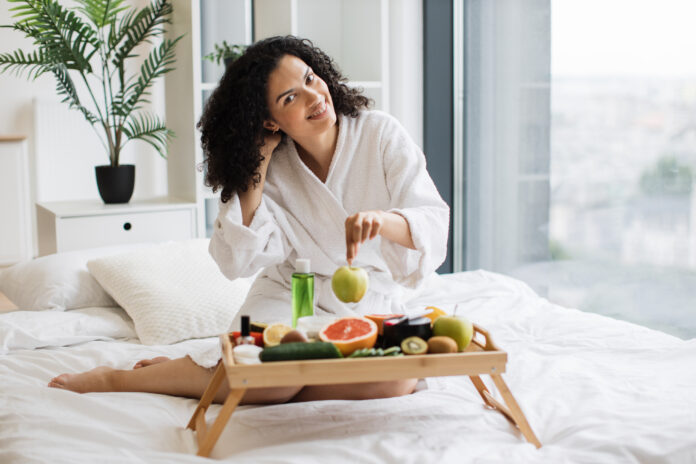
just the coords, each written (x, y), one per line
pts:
(323, 114)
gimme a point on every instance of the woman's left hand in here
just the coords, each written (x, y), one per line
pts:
(359, 228)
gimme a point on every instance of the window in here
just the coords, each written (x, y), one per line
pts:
(580, 153)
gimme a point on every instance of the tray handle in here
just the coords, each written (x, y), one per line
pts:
(226, 340)
(489, 345)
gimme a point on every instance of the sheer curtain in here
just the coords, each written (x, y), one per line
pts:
(502, 222)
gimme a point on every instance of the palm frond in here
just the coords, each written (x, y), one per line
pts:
(149, 128)
(135, 28)
(156, 65)
(33, 63)
(101, 12)
(61, 33)
(66, 88)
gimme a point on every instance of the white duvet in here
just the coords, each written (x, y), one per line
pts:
(593, 389)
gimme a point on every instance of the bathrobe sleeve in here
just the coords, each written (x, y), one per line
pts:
(415, 197)
(241, 251)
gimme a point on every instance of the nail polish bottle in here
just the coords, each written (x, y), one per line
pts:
(245, 337)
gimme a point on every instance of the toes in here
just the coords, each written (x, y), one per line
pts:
(150, 362)
(58, 382)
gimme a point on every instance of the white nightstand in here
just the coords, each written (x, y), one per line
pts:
(74, 225)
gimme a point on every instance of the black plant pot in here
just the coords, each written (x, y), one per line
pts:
(115, 182)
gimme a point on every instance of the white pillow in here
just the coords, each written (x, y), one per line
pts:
(59, 281)
(172, 292)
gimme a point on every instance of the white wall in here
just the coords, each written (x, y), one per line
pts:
(17, 95)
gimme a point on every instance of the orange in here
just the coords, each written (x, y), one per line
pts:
(435, 313)
(379, 320)
(350, 333)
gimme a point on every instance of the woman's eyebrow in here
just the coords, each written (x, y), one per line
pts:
(293, 89)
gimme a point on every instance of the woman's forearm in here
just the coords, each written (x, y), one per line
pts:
(395, 228)
(251, 199)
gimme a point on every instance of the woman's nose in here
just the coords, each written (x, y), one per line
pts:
(315, 101)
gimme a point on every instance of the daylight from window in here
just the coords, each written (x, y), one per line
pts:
(623, 155)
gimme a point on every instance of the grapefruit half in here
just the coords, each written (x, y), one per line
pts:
(350, 334)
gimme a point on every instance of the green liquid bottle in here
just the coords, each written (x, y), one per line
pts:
(302, 291)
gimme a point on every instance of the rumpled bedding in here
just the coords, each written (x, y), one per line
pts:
(594, 390)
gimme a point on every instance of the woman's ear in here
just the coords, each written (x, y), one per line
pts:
(270, 125)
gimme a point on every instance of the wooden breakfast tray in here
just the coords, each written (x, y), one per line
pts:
(481, 357)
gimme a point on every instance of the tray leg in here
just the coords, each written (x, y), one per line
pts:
(514, 410)
(481, 388)
(206, 443)
(208, 395)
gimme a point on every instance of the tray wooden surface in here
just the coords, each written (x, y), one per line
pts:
(482, 356)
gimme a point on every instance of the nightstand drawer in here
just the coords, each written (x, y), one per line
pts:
(74, 233)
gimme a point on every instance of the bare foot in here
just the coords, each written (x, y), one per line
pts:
(96, 380)
(150, 362)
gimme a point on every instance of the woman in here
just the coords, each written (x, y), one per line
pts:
(306, 171)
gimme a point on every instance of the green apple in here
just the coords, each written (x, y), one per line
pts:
(459, 328)
(349, 283)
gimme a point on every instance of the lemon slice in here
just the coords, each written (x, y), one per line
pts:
(274, 333)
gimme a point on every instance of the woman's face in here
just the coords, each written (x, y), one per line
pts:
(298, 100)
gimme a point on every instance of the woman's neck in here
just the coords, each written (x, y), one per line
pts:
(316, 153)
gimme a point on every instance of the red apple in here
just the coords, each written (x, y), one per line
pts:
(349, 283)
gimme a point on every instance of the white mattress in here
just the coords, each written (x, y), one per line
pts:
(594, 390)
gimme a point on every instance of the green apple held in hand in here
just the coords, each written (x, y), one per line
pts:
(456, 327)
(349, 283)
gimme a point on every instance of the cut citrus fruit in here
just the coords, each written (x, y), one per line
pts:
(350, 334)
(274, 333)
(435, 313)
(379, 320)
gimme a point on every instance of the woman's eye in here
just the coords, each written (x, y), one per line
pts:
(310, 78)
(289, 99)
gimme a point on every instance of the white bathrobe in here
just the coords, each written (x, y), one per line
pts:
(376, 166)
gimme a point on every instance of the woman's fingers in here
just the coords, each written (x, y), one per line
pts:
(357, 230)
(375, 231)
(361, 227)
(352, 253)
(366, 229)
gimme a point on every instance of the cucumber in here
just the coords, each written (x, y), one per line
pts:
(300, 351)
(375, 352)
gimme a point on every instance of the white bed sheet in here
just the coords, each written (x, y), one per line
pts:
(594, 390)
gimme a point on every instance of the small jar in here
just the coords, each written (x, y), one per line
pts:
(247, 354)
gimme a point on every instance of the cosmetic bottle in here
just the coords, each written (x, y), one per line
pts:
(245, 337)
(302, 291)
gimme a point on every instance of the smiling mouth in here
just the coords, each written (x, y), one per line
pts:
(321, 112)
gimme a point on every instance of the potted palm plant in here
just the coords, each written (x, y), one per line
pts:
(226, 53)
(86, 49)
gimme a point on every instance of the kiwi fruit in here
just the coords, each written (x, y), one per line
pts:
(414, 345)
(294, 336)
(442, 344)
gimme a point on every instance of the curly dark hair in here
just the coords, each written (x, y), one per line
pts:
(232, 123)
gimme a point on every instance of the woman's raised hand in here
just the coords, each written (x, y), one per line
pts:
(270, 141)
(360, 227)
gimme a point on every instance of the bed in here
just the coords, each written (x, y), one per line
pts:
(594, 389)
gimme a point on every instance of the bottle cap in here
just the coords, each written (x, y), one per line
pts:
(245, 326)
(302, 266)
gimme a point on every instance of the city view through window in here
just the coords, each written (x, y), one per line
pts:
(623, 158)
